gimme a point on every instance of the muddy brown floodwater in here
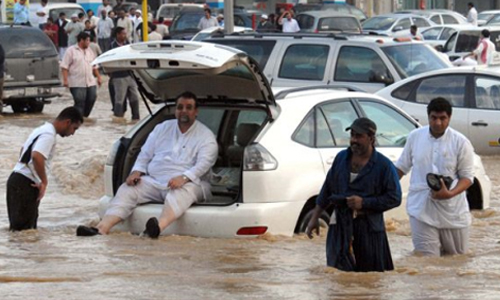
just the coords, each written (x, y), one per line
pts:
(52, 263)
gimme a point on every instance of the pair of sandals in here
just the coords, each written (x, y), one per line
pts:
(152, 229)
(434, 181)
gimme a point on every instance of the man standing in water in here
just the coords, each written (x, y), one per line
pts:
(28, 182)
(360, 186)
(173, 167)
(439, 220)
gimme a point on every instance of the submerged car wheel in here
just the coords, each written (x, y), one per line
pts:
(324, 219)
(18, 107)
(35, 106)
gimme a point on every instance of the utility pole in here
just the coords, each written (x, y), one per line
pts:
(228, 16)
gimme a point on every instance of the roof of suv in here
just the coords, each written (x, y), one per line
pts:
(324, 13)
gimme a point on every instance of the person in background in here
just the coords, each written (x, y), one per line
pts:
(137, 25)
(106, 6)
(161, 28)
(472, 14)
(2, 70)
(88, 30)
(288, 22)
(126, 23)
(484, 50)
(73, 28)
(131, 15)
(207, 21)
(82, 18)
(414, 34)
(28, 182)
(42, 14)
(220, 19)
(93, 20)
(439, 219)
(50, 30)
(113, 17)
(62, 36)
(264, 24)
(104, 30)
(21, 13)
(153, 34)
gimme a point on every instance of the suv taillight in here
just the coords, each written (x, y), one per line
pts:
(257, 158)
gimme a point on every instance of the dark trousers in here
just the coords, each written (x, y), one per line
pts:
(84, 98)
(22, 204)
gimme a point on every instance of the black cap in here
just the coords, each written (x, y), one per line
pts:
(363, 125)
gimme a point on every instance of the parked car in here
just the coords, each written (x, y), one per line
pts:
(396, 25)
(274, 151)
(438, 16)
(218, 30)
(465, 40)
(344, 9)
(494, 20)
(438, 35)
(54, 9)
(31, 68)
(170, 10)
(485, 15)
(325, 21)
(474, 93)
(369, 62)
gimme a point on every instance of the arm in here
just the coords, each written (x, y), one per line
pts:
(98, 76)
(391, 196)
(280, 19)
(405, 161)
(314, 222)
(147, 152)
(64, 72)
(39, 164)
(205, 159)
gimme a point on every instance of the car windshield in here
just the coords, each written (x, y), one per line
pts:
(484, 16)
(378, 23)
(414, 59)
(68, 11)
(494, 20)
(26, 43)
(201, 36)
(348, 24)
(260, 51)
(169, 11)
(186, 22)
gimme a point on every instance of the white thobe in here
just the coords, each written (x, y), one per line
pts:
(451, 155)
(168, 153)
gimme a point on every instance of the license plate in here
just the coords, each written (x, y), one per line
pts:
(31, 91)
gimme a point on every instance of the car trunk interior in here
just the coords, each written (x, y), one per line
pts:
(235, 127)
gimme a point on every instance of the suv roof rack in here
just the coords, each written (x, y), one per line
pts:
(332, 86)
(290, 35)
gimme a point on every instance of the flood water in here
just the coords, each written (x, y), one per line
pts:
(52, 263)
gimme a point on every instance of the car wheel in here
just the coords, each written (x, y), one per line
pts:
(324, 220)
(474, 196)
(19, 107)
(1, 106)
(35, 106)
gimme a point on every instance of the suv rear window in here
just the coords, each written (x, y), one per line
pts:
(19, 43)
(338, 24)
(307, 62)
(258, 50)
(305, 21)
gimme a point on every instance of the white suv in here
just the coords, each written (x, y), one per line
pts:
(273, 155)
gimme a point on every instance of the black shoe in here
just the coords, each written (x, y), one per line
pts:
(152, 228)
(434, 181)
(86, 231)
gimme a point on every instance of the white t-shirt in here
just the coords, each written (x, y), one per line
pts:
(290, 26)
(472, 16)
(42, 20)
(44, 145)
(489, 51)
(451, 155)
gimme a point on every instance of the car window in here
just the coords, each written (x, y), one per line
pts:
(338, 116)
(305, 62)
(487, 92)
(467, 41)
(305, 133)
(254, 117)
(450, 87)
(19, 43)
(211, 117)
(324, 136)
(403, 23)
(445, 35)
(421, 22)
(305, 21)
(69, 11)
(450, 44)
(495, 39)
(359, 64)
(186, 22)
(349, 24)
(447, 19)
(169, 11)
(493, 20)
(378, 23)
(413, 59)
(392, 127)
(432, 33)
(436, 19)
(238, 21)
(260, 51)
(404, 91)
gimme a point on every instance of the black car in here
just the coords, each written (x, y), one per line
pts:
(31, 68)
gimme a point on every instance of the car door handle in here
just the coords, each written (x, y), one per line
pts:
(479, 123)
(330, 160)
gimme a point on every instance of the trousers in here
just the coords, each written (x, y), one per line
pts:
(22, 204)
(84, 98)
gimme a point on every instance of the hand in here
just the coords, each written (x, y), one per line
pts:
(177, 182)
(41, 189)
(355, 202)
(443, 193)
(313, 225)
(65, 83)
(134, 178)
(99, 81)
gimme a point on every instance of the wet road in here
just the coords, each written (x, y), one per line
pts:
(52, 263)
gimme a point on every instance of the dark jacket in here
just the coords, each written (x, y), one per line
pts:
(62, 36)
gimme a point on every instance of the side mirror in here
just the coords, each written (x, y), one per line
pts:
(397, 28)
(381, 78)
(439, 48)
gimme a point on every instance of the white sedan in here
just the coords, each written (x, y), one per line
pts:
(209, 32)
(274, 150)
(474, 93)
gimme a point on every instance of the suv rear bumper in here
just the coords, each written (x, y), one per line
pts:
(31, 92)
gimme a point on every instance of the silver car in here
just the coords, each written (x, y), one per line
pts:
(327, 21)
(396, 25)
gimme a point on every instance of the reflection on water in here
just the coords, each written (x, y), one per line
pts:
(52, 263)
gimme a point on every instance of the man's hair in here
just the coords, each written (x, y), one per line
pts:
(62, 14)
(45, 1)
(70, 113)
(414, 27)
(89, 10)
(470, 4)
(119, 30)
(82, 36)
(207, 10)
(152, 26)
(80, 15)
(160, 20)
(485, 33)
(438, 105)
(50, 19)
(87, 21)
(189, 95)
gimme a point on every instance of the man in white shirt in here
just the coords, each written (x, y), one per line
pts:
(104, 30)
(161, 28)
(28, 182)
(439, 219)
(93, 20)
(207, 21)
(289, 24)
(472, 14)
(137, 23)
(126, 23)
(484, 50)
(104, 6)
(42, 14)
(153, 34)
(173, 167)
